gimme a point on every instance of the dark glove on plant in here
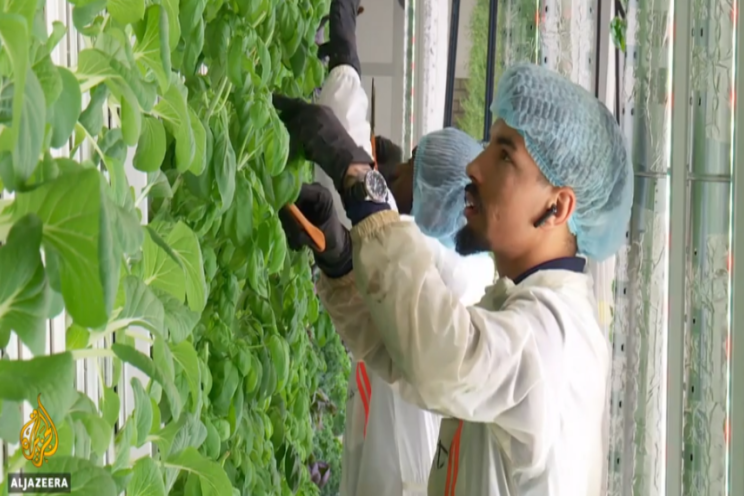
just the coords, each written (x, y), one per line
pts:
(316, 204)
(318, 132)
(341, 49)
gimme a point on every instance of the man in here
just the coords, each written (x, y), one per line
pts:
(525, 370)
(388, 443)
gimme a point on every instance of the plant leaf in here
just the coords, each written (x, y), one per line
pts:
(151, 146)
(153, 49)
(15, 39)
(161, 268)
(238, 223)
(179, 319)
(99, 431)
(50, 376)
(185, 356)
(185, 244)
(214, 481)
(276, 151)
(49, 79)
(147, 480)
(126, 11)
(142, 308)
(30, 130)
(172, 108)
(24, 290)
(144, 363)
(199, 163)
(10, 420)
(142, 414)
(110, 407)
(88, 479)
(66, 109)
(131, 123)
(94, 67)
(71, 232)
(224, 166)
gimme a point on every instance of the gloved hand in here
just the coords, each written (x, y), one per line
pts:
(316, 204)
(318, 131)
(341, 48)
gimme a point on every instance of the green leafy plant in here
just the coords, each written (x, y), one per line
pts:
(180, 91)
(619, 25)
(514, 44)
(471, 121)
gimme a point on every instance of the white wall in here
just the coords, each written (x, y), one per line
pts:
(430, 85)
(381, 46)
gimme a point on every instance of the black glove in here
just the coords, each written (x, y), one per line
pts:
(341, 49)
(316, 130)
(316, 204)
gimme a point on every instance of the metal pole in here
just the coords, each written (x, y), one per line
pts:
(736, 398)
(493, 15)
(619, 11)
(451, 62)
(598, 55)
(678, 236)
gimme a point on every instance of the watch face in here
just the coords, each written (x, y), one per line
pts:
(376, 186)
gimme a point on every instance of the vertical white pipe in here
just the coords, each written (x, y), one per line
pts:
(680, 147)
(736, 398)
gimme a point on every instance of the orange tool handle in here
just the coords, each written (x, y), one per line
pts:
(374, 151)
(315, 234)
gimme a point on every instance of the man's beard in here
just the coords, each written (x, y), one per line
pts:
(468, 242)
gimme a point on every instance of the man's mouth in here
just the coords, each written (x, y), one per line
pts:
(471, 204)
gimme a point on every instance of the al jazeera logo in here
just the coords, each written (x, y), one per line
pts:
(39, 442)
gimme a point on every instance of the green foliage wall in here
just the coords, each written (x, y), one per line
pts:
(242, 391)
(516, 42)
(471, 120)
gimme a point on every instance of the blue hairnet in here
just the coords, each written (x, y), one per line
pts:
(439, 180)
(576, 142)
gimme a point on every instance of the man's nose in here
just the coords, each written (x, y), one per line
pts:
(473, 168)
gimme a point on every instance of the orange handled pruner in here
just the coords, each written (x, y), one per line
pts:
(316, 234)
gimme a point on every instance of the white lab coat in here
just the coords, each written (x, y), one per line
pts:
(525, 370)
(389, 444)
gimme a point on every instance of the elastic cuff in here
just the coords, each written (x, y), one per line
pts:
(340, 60)
(339, 265)
(338, 270)
(372, 225)
(357, 211)
(337, 283)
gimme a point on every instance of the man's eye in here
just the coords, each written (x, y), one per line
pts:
(505, 156)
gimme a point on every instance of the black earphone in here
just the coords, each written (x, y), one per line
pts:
(542, 220)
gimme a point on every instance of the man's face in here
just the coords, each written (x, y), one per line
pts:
(507, 195)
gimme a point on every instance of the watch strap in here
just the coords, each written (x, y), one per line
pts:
(344, 160)
(357, 192)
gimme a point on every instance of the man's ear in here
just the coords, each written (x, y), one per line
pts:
(565, 203)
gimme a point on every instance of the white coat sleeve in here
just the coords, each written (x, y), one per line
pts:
(467, 362)
(352, 319)
(343, 93)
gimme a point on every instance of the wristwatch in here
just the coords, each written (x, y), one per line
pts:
(371, 187)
